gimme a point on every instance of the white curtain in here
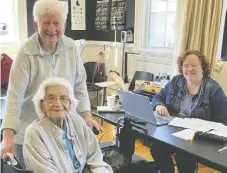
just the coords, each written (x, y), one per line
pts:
(141, 23)
(198, 25)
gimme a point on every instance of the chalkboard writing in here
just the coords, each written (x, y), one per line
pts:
(102, 15)
(118, 13)
(90, 33)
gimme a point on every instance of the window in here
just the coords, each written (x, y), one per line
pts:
(222, 45)
(8, 21)
(161, 23)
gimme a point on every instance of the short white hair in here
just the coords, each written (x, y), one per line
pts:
(41, 92)
(42, 7)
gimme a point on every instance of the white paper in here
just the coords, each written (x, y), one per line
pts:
(105, 84)
(221, 131)
(194, 123)
(78, 16)
(108, 109)
(3, 98)
(186, 134)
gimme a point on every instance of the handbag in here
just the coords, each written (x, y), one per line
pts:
(121, 164)
(120, 157)
(113, 157)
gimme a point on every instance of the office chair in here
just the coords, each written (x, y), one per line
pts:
(96, 72)
(140, 75)
(6, 63)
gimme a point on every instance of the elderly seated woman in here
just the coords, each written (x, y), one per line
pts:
(60, 141)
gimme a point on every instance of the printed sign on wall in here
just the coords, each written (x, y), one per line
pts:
(78, 17)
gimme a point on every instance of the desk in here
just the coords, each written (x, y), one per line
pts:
(2, 111)
(105, 85)
(111, 118)
(3, 102)
(202, 151)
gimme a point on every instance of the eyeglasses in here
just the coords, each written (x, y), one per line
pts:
(51, 99)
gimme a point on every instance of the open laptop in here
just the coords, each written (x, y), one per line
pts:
(139, 107)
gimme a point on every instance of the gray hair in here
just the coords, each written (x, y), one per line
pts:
(42, 7)
(41, 92)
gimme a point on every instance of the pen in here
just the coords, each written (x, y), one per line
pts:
(206, 131)
(222, 149)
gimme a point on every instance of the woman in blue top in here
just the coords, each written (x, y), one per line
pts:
(191, 94)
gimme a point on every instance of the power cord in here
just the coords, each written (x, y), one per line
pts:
(106, 133)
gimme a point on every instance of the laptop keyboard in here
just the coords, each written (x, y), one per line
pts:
(162, 120)
(169, 118)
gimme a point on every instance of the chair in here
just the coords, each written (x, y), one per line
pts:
(13, 166)
(6, 63)
(140, 75)
(96, 72)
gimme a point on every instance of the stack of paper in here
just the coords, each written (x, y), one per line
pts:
(105, 84)
(108, 109)
(195, 124)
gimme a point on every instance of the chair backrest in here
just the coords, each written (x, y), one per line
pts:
(96, 72)
(100, 75)
(90, 68)
(6, 63)
(140, 75)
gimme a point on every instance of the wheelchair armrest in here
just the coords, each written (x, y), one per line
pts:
(12, 161)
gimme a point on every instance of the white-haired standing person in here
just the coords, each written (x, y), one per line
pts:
(47, 53)
(59, 141)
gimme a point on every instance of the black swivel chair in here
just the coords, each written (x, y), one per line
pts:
(96, 72)
(140, 75)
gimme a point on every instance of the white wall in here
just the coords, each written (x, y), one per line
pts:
(151, 62)
(148, 62)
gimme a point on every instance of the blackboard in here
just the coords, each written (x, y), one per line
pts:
(90, 33)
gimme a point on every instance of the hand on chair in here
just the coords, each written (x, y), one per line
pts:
(6, 147)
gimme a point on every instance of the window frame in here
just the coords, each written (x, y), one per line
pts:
(150, 12)
(13, 39)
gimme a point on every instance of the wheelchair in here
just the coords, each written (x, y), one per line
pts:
(13, 166)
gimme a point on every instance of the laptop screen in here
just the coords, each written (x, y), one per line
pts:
(137, 106)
